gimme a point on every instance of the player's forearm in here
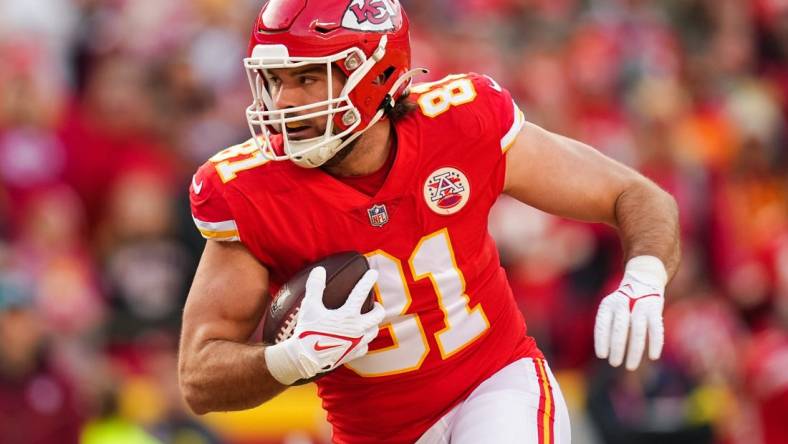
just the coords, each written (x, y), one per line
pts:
(225, 376)
(648, 222)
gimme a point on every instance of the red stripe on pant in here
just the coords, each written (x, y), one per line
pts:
(545, 420)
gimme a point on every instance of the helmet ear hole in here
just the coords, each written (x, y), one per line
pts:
(385, 76)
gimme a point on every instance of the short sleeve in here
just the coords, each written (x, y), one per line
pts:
(501, 122)
(506, 116)
(210, 211)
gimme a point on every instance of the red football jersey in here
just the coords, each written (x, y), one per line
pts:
(451, 320)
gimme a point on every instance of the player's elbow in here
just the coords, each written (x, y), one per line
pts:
(195, 405)
(193, 389)
(194, 397)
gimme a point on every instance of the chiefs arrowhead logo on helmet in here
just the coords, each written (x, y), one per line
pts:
(369, 15)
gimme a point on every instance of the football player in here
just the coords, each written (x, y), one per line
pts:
(347, 154)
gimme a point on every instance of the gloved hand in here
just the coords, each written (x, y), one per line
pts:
(631, 311)
(324, 339)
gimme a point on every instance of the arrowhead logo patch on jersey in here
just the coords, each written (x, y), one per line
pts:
(446, 191)
(369, 15)
(378, 216)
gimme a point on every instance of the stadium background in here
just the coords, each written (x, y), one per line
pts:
(108, 106)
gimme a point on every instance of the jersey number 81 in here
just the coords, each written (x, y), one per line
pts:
(432, 258)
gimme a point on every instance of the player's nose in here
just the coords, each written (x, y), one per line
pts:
(287, 97)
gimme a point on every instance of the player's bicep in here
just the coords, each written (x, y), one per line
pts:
(562, 176)
(228, 295)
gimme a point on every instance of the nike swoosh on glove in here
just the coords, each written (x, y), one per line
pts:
(631, 312)
(324, 339)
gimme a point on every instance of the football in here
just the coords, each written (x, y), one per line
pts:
(343, 271)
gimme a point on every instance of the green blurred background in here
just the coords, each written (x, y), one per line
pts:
(108, 106)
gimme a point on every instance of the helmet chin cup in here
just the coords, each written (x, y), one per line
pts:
(311, 153)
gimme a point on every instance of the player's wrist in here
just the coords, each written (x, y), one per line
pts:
(648, 270)
(284, 362)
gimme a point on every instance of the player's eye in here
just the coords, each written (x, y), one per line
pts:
(307, 80)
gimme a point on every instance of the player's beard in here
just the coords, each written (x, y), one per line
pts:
(340, 156)
(333, 163)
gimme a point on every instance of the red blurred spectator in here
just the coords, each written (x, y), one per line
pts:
(113, 131)
(37, 403)
(766, 362)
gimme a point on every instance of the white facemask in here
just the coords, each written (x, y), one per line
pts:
(264, 118)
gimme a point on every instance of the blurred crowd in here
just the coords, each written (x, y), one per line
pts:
(108, 106)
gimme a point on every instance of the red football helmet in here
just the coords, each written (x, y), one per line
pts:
(367, 39)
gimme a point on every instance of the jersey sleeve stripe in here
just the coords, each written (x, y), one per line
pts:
(519, 120)
(224, 230)
(221, 235)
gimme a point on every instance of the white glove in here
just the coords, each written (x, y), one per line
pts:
(324, 339)
(632, 310)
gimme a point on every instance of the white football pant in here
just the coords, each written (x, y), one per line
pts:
(521, 403)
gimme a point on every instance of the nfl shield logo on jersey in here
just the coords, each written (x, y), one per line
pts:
(378, 216)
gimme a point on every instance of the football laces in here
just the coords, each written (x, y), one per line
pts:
(288, 326)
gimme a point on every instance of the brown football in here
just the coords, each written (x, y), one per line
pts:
(343, 271)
